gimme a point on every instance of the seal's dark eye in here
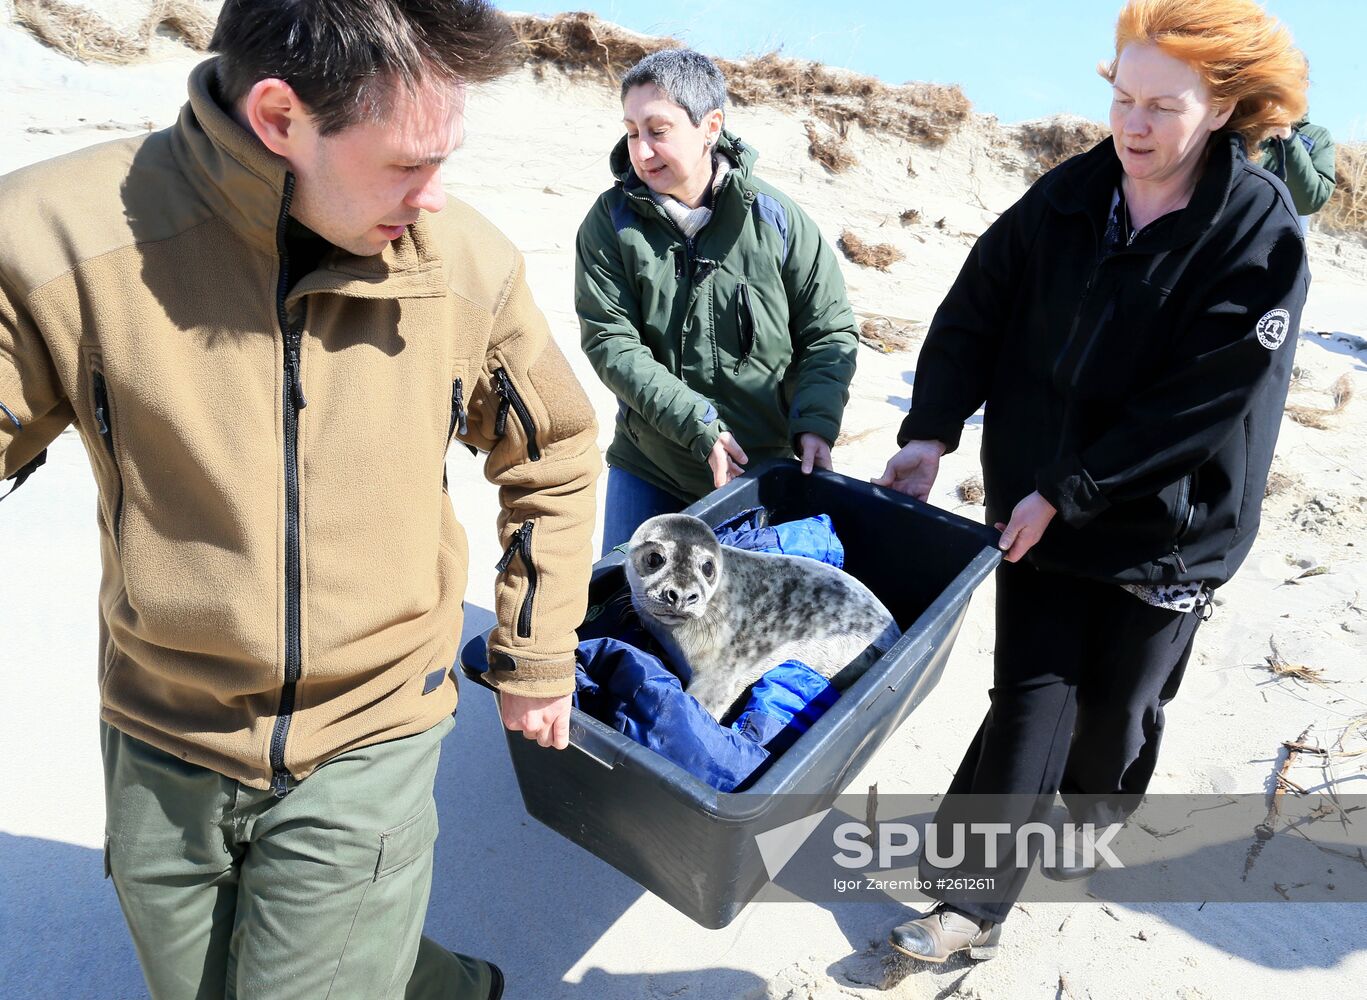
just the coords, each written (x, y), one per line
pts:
(709, 568)
(654, 561)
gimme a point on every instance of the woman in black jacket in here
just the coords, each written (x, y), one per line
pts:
(1128, 327)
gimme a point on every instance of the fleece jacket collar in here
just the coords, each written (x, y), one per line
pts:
(245, 184)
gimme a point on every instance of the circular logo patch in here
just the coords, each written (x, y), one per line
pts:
(1273, 328)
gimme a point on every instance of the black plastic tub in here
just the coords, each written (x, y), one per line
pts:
(686, 842)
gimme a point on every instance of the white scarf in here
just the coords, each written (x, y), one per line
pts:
(691, 220)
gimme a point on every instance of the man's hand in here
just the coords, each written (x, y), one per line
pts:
(546, 720)
(1028, 521)
(816, 453)
(727, 460)
(913, 469)
(1285, 132)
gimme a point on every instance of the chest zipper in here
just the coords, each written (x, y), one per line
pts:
(104, 425)
(746, 319)
(521, 545)
(510, 400)
(294, 401)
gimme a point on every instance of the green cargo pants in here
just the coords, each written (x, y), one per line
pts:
(230, 892)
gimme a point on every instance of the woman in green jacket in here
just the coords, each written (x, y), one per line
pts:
(708, 303)
(1302, 155)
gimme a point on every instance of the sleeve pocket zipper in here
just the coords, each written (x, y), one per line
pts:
(509, 399)
(104, 424)
(746, 321)
(521, 545)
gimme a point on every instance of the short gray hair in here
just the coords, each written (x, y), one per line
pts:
(688, 78)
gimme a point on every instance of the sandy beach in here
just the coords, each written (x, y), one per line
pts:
(564, 924)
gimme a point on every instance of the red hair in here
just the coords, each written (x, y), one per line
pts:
(1244, 55)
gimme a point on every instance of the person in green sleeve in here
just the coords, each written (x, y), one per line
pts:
(1302, 155)
(708, 303)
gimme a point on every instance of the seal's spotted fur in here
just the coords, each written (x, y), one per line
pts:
(729, 615)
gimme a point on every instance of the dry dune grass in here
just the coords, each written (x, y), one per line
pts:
(580, 42)
(926, 112)
(971, 491)
(1346, 211)
(1319, 417)
(879, 255)
(82, 34)
(1052, 140)
(829, 148)
(885, 335)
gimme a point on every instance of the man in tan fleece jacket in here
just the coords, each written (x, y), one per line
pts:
(268, 322)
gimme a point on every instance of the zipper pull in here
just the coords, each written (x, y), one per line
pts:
(280, 784)
(515, 546)
(458, 401)
(296, 376)
(1176, 554)
(505, 396)
(102, 423)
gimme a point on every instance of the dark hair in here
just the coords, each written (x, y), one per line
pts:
(688, 78)
(345, 57)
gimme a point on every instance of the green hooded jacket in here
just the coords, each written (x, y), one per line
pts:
(1306, 163)
(745, 328)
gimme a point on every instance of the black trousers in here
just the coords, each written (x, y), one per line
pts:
(1082, 671)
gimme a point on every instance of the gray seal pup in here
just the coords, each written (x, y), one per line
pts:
(728, 615)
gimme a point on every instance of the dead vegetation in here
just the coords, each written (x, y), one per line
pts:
(1346, 211)
(910, 216)
(581, 43)
(853, 437)
(885, 335)
(1319, 417)
(971, 490)
(924, 112)
(879, 255)
(1050, 141)
(927, 112)
(1281, 667)
(1278, 482)
(830, 149)
(82, 34)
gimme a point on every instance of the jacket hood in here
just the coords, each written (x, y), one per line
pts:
(730, 145)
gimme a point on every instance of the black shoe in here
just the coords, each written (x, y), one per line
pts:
(943, 932)
(496, 988)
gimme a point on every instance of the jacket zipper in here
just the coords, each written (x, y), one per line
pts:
(747, 328)
(104, 423)
(509, 398)
(521, 545)
(294, 401)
